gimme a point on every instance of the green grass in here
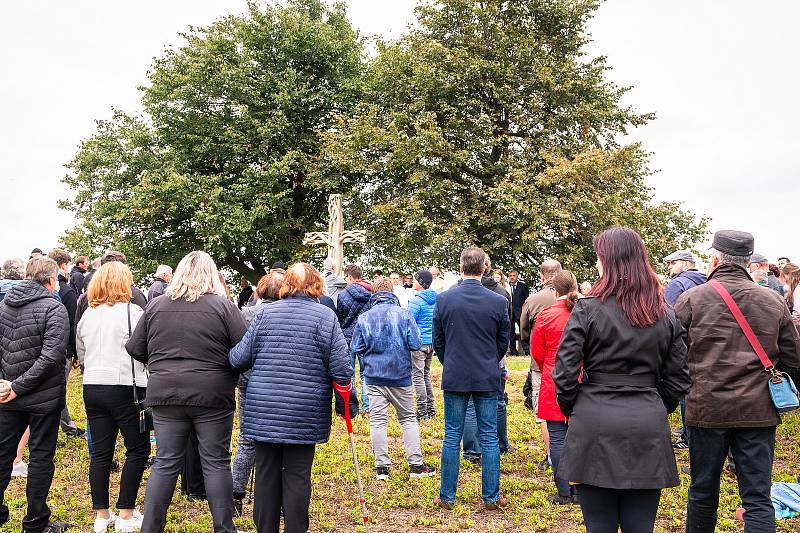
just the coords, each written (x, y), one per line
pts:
(402, 504)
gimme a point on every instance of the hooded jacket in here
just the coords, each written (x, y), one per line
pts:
(384, 337)
(682, 283)
(34, 331)
(421, 308)
(335, 285)
(729, 385)
(353, 301)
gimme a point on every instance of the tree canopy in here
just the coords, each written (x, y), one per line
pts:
(484, 124)
(225, 158)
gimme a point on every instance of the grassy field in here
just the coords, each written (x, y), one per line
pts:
(402, 504)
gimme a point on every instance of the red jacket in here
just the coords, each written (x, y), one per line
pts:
(544, 345)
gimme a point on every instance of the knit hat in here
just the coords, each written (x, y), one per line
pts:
(424, 278)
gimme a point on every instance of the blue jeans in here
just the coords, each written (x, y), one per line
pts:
(471, 443)
(364, 397)
(455, 410)
(558, 434)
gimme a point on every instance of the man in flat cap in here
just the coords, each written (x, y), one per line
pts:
(684, 275)
(729, 405)
(760, 264)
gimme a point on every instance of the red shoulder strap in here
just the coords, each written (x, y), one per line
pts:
(742, 321)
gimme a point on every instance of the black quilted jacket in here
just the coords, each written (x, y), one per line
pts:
(34, 331)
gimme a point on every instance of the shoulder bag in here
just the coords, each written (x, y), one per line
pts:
(781, 387)
(145, 413)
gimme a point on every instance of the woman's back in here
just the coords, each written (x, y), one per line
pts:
(295, 348)
(186, 346)
(100, 338)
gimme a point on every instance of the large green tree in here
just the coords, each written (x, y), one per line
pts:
(488, 125)
(225, 157)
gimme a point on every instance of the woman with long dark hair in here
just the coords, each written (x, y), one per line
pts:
(629, 349)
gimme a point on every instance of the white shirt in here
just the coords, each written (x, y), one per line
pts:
(100, 340)
(403, 294)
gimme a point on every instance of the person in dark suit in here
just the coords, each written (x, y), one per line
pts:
(620, 370)
(470, 337)
(519, 293)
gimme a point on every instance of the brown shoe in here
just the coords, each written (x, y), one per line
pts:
(442, 504)
(500, 503)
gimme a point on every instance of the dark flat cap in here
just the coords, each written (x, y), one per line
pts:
(732, 242)
(758, 258)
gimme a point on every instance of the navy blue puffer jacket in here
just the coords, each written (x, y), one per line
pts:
(352, 301)
(295, 348)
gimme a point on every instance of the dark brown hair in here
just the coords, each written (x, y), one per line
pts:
(565, 284)
(791, 273)
(628, 276)
(61, 257)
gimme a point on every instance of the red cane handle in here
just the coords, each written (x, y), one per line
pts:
(344, 391)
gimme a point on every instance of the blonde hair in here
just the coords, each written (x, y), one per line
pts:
(302, 278)
(111, 284)
(195, 276)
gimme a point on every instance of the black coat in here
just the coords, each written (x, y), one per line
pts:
(70, 300)
(185, 345)
(77, 277)
(158, 288)
(34, 331)
(470, 337)
(619, 434)
(519, 294)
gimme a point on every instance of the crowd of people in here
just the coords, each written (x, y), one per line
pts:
(609, 362)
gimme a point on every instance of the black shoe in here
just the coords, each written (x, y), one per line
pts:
(504, 451)
(421, 471)
(528, 403)
(238, 507)
(474, 459)
(75, 432)
(558, 499)
(115, 466)
(544, 464)
(382, 473)
(56, 527)
(196, 497)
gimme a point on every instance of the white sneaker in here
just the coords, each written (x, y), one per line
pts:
(20, 469)
(133, 523)
(101, 525)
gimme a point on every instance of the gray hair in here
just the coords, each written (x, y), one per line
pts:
(329, 265)
(163, 269)
(41, 270)
(472, 261)
(14, 269)
(727, 259)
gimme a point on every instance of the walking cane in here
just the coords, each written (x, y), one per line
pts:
(344, 391)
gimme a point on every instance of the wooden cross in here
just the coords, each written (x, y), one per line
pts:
(335, 238)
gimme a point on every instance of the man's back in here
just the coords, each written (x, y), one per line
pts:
(470, 336)
(34, 329)
(729, 384)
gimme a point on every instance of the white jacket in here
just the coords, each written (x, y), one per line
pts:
(100, 340)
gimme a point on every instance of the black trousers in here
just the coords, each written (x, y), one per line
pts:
(110, 410)
(213, 428)
(514, 337)
(608, 510)
(753, 450)
(42, 448)
(283, 480)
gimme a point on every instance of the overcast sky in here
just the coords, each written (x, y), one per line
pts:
(723, 83)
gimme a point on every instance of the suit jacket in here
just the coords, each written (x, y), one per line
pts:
(519, 293)
(534, 305)
(470, 337)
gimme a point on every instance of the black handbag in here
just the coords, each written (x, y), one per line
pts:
(145, 413)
